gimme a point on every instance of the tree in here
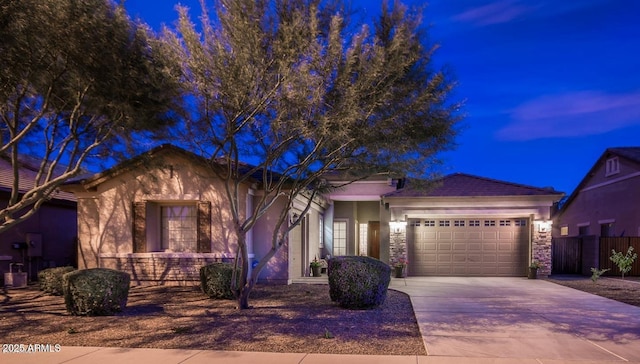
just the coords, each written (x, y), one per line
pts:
(77, 77)
(285, 85)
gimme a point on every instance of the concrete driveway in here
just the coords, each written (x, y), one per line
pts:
(517, 318)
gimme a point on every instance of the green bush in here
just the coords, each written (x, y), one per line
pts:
(95, 292)
(215, 280)
(51, 279)
(358, 282)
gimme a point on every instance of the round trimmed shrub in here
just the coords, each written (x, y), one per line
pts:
(96, 291)
(358, 282)
(50, 279)
(215, 280)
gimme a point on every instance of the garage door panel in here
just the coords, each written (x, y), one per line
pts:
(468, 250)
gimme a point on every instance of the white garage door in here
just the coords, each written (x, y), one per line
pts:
(468, 247)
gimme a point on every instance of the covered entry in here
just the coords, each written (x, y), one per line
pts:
(468, 246)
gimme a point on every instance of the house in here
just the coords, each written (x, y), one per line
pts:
(460, 225)
(605, 204)
(162, 215)
(46, 239)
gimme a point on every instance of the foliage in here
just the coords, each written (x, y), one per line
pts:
(400, 262)
(315, 263)
(623, 261)
(95, 292)
(289, 86)
(358, 281)
(51, 279)
(77, 79)
(535, 264)
(215, 280)
(596, 273)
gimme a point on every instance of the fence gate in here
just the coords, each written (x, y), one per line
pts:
(566, 255)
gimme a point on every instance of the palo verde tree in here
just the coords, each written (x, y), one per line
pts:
(290, 87)
(77, 78)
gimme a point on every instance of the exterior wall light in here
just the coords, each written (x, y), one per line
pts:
(397, 226)
(544, 226)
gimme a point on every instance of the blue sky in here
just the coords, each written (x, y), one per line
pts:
(548, 85)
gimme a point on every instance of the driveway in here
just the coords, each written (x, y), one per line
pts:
(517, 318)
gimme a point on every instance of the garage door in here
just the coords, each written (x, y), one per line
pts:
(468, 247)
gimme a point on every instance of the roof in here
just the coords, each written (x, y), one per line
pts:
(26, 181)
(142, 159)
(630, 153)
(466, 185)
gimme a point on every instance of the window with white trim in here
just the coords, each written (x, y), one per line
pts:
(474, 222)
(489, 222)
(505, 222)
(339, 238)
(444, 223)
(564, 230)
(415, 223)
(321, 231)
(521, 222)
(178, 228)
(364, 231)
(430, 223)
(458, 223)
(613, 166)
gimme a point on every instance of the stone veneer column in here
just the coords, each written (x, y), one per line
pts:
(398, 245)
(541, 250)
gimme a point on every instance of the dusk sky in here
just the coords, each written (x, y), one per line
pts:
(548, 85)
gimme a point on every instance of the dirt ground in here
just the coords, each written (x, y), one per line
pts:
(627, 290)
(295, 318)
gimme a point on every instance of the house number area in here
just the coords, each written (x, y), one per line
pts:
(30, 348)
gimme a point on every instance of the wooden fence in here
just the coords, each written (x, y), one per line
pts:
(577, 255)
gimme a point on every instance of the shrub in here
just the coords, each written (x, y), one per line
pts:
(358, 282)
(95, 292)
(623, 261)
(215, 280)
(51, 279)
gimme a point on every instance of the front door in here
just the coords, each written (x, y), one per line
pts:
(373, 239)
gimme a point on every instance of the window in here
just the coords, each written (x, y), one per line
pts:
(521, 222)
(474, 222)
(606, 230)
(458, 223)
(505, 222)
(364, 230)
(415, 223)
(339, 238)
(429, 223)
(178, 224)
(583, 230)
(564, 230)
(489, 222)
(444, 223)
(612, 167)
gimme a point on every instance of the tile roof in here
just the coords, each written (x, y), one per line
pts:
(26, 181)
(466, 185)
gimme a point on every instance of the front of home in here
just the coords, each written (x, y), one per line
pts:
(164, 214)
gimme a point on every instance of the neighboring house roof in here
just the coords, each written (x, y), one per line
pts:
(466, 185)
(26, 181)
(631, 154)
(92, 181)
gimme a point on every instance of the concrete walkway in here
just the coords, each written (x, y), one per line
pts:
(462, 320)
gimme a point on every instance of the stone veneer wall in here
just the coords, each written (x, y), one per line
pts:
(161, 268)
(398, 245)
(541, 250)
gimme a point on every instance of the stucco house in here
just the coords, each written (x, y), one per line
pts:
(46, 239)
(604, 205)
(162, 215)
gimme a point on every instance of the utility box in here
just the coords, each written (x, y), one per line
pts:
(34, 245)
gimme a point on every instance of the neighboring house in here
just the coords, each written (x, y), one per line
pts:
(604, 205)
(163, 215)
(462, 225)
(46, 239)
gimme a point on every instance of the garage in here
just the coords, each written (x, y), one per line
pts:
(468, 246)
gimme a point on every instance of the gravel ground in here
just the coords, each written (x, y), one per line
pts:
(627, 290)
(296, 318)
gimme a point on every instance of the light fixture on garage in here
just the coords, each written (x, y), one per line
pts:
(544, 226)
(397, 226)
